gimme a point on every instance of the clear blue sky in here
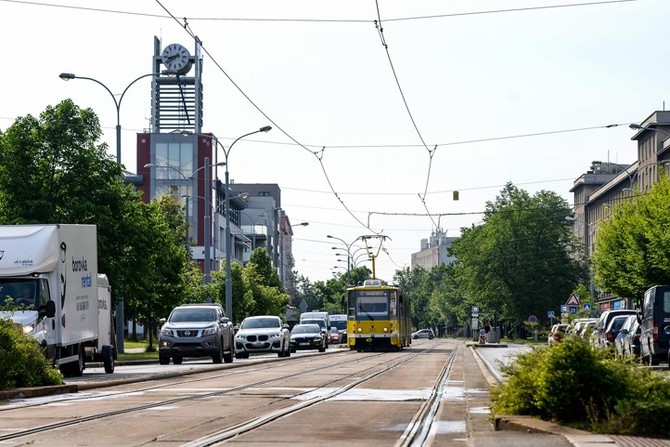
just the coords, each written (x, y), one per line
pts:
(423, 115)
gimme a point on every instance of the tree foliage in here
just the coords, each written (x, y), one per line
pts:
(633, 246)
(518, 262)
(53, 171)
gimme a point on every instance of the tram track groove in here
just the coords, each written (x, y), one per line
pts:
(226, 434)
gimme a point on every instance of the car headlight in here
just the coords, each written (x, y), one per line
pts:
(28, 328)
(209, 331)
(318, 339)
(167, 332)
(275, 335)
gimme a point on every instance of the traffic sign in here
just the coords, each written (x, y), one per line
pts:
(550, 314)
(587, 307)
(532, 319)
(564, 309)
(573, 300)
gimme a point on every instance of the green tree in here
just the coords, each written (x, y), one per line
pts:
(53, 171)
(518, 262)
(632, 247)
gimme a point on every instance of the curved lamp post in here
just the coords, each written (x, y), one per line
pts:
(117, 104)
(229, 286)
(349, 258)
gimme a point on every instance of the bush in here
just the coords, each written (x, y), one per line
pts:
(23, 362)
(587, 388)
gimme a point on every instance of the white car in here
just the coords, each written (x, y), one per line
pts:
(262, 334)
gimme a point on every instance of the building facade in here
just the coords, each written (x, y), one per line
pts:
(599, 190)
(433, 251)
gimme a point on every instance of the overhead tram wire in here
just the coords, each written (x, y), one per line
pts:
(299, 20)
(322, 151)
(277, 126)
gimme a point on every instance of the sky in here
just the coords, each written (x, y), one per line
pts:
(380, 109)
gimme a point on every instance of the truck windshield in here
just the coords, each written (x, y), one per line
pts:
(25, 293)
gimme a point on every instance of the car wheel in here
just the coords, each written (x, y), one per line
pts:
(228, 356)
(218, 356)
(177, 360)
(163, 359)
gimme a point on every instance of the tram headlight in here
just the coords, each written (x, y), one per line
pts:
(360, 330)
(386, 330)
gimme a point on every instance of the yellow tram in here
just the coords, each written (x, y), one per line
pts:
(378, 317)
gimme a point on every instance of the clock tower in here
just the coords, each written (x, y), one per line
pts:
(177, 100)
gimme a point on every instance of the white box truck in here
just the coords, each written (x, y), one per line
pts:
(51, 271)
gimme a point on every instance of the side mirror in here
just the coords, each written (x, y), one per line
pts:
(162, 321)
(50, 309)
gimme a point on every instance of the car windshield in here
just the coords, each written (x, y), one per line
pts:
(321, 323)
(258, 323)
(305, 329)
(190, 315)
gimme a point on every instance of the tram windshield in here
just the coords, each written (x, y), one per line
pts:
(371, 304)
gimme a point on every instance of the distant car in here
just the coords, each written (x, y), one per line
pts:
(423, 333)
(631, 343)
(622, 342)
(557, 333)
(196, 330)
(307, 336)
(598, 336)
(334, 335)
(262, 334)
(612, 330)
(322, 324)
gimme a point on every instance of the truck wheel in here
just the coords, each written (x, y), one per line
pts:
(177, 360)
(108, 358)
(74, 369)
(163, 359)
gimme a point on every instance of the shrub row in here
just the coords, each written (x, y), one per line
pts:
(23, 362)
(575, 384)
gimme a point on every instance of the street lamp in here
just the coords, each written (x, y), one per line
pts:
(117, 104)
(349, 266)
(229, 286)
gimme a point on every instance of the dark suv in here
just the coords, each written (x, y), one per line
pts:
(196, 330)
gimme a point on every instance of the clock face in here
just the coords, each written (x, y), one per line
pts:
(176, 57)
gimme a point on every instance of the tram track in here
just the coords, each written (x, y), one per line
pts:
(415, 432)
(124, 411)
(243, 425)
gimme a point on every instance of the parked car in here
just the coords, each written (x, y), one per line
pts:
(196, 330)
(622, 336)
(577, 325)
(423, 333)
(612, 330)
(588, 328)
(262, 334)
(307, 336)
(557, 333)
(655, 322)
(598, 337)
(631, 343)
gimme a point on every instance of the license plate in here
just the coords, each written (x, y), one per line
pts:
(304, 344)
